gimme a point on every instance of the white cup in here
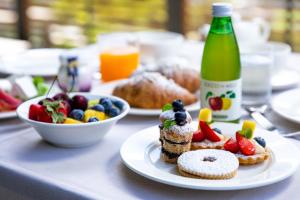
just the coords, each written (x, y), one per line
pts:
(155, 45)
(279, 51)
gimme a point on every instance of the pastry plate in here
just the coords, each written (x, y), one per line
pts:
(141, 153)
(8, 114)
(107, 88)
(286, 105)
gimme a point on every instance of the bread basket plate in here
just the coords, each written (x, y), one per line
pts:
(107, 88)
(141, 154)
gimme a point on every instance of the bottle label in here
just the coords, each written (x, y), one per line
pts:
(223, 98)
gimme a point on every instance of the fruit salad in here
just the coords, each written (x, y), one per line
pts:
(62, 109)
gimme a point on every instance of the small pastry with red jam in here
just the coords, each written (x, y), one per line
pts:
(247, 149)
(175, 132)
(207, 137)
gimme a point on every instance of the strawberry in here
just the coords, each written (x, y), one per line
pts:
(44, 116)
(232, 146)
(198, 136)
(246, 146)
(49, 112)
(208, 132)
(34, 110)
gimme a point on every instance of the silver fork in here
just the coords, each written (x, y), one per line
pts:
(257, 114)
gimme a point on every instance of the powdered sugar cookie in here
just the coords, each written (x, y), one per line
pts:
(208, 164)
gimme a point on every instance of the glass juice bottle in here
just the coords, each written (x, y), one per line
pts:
(221, 68)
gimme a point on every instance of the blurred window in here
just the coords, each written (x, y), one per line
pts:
(69, 23)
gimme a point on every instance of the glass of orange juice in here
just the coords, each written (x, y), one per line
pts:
(119, 56)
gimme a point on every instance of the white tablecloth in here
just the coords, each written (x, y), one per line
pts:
(36, 169)
(31, 168)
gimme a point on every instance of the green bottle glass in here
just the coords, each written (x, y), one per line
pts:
(221, 68)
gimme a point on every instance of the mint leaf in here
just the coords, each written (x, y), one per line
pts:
(54, 104)
(166, 107)
(247, 133)
(52, 107)
(58, 117)
(209, 123)
(168, 123)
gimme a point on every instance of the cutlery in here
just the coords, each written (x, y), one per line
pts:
(257, 113)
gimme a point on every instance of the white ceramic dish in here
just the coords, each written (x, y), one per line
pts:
(286, 105)
(72, 135)
(285, 79)
(107, 88)
(8, 114)
(141, 153)
(35, 62)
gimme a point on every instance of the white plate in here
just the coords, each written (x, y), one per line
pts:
(8, 114)
(35, 62)
(285, 79)
(287, 105)
(107, 88)
(141, 153)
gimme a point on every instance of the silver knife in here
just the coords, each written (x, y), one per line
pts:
(266, 124)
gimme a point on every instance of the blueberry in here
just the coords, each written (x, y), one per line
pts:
(106, 103)
(180, 118)
(180, 115)
(161, 126)
(217, 130)
(93, 119)
(118, 104)
(261, 141)
(98, 107)
(180, 122)
(77, 114)
(178, 105)
(112, 112)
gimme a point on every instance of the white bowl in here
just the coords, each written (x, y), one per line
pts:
(72, 135)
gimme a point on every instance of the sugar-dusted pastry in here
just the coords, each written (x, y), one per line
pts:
(207, 137)
(179, 71)
(175, 132)
(168, 113)
(248, 149)
(151, 90)
(208, 164)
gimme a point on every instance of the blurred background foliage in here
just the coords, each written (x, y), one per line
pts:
(70, 23)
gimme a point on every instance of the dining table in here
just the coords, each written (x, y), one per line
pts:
(31, 168)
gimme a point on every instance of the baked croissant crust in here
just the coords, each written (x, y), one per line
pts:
(151, 90)
(187, 78)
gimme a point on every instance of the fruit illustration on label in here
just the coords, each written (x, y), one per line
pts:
(222, 102)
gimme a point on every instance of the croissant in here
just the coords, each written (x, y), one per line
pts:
(151, 90)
